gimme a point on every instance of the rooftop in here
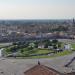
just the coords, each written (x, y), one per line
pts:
(41, 70)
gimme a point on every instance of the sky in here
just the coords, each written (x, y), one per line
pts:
(37, 9)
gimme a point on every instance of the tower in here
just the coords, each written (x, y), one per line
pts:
(73, 22)
(72, 28)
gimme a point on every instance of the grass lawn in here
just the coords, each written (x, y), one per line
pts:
(42, 51)
(38, 51)
(54, 55)
(73, 45)
(63, 53)
(35, 51)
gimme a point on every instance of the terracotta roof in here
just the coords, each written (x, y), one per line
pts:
(41, 70)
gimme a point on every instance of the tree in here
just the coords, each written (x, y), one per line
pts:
(36, 44)
(59, 44)
(32, 45)
(14, 43)
(47, 43)
(13, 48)
(55, 46)
(55, 41)
(22, 50)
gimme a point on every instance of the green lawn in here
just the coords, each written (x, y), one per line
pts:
(63, 53)
(73, 45)
(55, 55)
(42, 51)
(34, 51)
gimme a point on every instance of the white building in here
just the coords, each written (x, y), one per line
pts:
(50, 47)
(67, 47)
(41, 46)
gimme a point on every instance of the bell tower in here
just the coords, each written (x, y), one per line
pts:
(73, 22)
(72, 28)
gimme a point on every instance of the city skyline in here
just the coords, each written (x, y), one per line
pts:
(37, 9)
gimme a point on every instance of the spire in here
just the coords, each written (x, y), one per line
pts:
(73, 21)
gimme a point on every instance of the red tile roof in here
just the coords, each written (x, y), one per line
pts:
(41, 70)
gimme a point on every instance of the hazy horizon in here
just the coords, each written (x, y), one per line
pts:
(37, 9)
